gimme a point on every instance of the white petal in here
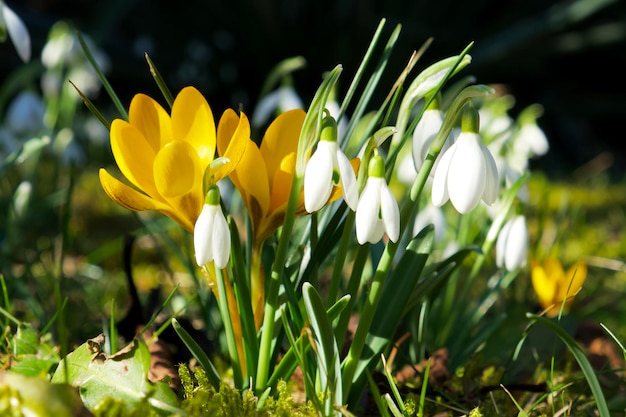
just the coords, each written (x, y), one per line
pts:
(516, 251)
(424, 134)
(492, 178)
(318, 178)
(369, 228)
(221, 240)
(348, 180)
(501, 243)
(440, 180)
(390, 212)
(202, 236)
(466, 175)
(17, 32)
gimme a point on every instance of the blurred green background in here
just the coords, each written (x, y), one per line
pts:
(570, 56)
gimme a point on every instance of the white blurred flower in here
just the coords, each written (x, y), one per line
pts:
(431, 215)
(424, 134)
(24, 115)
(211, 236)
(62, 50)
(531, 140)
(377, 212)
(17, 31)
(280, 100)
(512, 244)
(467, 172)
(328, 167)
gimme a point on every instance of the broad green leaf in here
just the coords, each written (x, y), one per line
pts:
(395, 296)
(30, 396)
(123, 376)
(327, 351)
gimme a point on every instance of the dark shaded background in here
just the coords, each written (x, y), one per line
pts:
(570, 56)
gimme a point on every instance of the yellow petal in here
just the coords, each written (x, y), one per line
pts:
(572, 281)
(554, 270)
(225, 130)
(151, 120)
(177, 170)
(134, 156)
(281, 139)
(544, 285)
(250, 178)
(126, 196)
(192, 121)
(236, 145)
(282, 179)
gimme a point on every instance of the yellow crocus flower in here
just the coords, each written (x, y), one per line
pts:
(552, 285)
(166, 157)
(265, 173)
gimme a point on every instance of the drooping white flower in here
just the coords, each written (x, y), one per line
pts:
(512, 244)
(211, 236)
(377, 212)
(427, 128)
(328, 167)
(467, 172)
(17, 31)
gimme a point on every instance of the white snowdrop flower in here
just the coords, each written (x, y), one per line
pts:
(328, 167)
(531, 140)
(467, 172)
(211, 236)
(512, 244)
(425, 132)
(17, 31)
(377, 212)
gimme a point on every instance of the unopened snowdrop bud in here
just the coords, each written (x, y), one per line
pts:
(425, 132)
(377, 212)
(512, 244)
(211, 236)
(467, 172)
(328, 167)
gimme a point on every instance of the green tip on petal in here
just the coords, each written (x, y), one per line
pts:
(376, 168)
(213, 196)
(435, 104)
(470, 121)
(329, 129)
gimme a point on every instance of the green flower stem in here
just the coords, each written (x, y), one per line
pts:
(340, 257)
(228, 327)
(271, 303)
(241, 288)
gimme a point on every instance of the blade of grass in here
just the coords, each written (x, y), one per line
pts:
(582, 360)
(198, 353)
(101, 76)
(167, 94)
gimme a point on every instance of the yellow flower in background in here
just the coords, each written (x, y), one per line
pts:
(552, 285)
(165, 157)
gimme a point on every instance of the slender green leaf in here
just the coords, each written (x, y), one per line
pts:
(582, 360)
(327, 350)
(198, 353)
